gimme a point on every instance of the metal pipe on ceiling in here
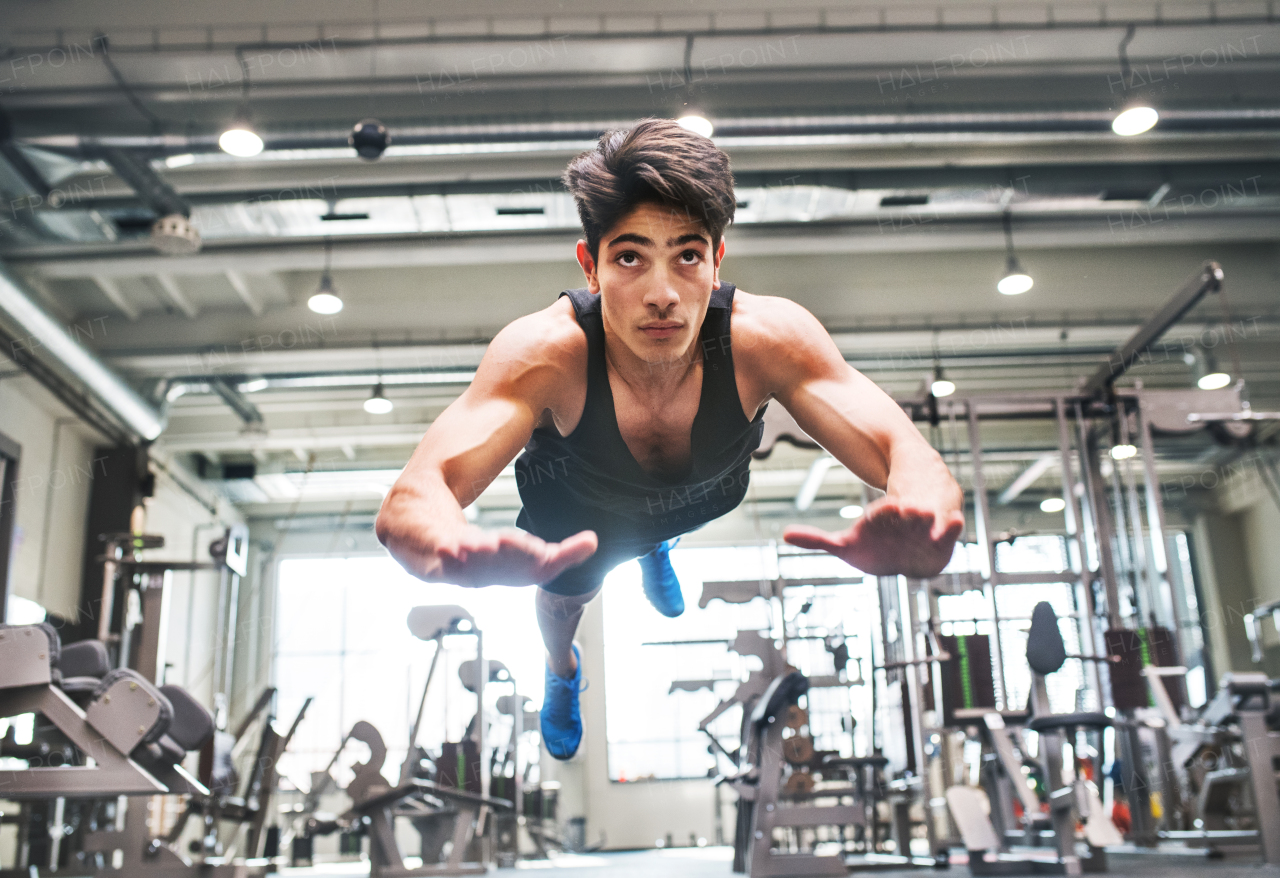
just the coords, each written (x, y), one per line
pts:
(1228, 119)
(17, 306)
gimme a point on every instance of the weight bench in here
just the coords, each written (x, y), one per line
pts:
(136, 734)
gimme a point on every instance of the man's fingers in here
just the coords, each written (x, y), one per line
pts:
(948, 528)
(568, 553)
(585, 542)
(523, 542)
(807, 537)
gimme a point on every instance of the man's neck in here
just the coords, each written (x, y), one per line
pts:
(652, 378)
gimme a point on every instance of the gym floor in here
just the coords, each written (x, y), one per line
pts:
(714, 862)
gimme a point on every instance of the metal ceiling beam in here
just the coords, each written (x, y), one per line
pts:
(1042, 163)
(1027, 478)
(154, 192)
(372, 436)
(137, 415)
(209, 184)
(1207, 280)
(169, 284)
(52, 302)
(112, 291)
(251, 301)
(901, 233)
(1215, 120)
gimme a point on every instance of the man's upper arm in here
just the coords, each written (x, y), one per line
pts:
(519, 378)
(848, 415)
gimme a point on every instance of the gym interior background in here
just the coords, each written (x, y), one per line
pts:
(221, 349)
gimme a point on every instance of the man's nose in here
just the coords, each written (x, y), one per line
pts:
(662, 294)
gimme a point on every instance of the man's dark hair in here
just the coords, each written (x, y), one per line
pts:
(654, 161)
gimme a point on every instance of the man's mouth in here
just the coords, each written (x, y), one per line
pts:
(661, 328)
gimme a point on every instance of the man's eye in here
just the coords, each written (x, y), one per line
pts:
(628, 258)
(691, 256)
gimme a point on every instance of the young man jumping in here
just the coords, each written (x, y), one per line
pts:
(637, 402)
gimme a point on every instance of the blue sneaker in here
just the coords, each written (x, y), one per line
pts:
(561, 718)
(660, 584)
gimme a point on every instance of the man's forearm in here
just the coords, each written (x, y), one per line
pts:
(917, 473)
(415, 519)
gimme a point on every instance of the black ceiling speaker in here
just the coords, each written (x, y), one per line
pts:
(369, 139)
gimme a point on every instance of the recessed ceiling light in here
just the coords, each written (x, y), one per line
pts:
(1214, 381)
(1053, 504)
(851, 511)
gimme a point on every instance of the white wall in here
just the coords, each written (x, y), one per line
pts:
(189, 524)
(1242, 533)
(55, 476)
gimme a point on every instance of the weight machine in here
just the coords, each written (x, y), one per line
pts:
(1126, 604)
(1131, 619)
(116, 831)
(446, 799)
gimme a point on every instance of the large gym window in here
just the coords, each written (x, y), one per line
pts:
(341, 637)
(652, 731)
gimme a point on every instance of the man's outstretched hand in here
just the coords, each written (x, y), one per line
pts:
(477, 557)
(892, 537)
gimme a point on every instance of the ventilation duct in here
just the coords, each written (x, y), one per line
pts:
(109, 390)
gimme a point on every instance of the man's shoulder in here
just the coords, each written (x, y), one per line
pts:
(550, 338)
(762, 323)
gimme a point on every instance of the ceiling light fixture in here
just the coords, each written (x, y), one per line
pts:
(1053, 504)
(1016, 281)
(853, 510)
(326, 299)
(941, 386)
(1214, 381)
(1135, 120)
(1205, 369)
(697, 124)
(1136, 116)
(240, 139)
(378, 404)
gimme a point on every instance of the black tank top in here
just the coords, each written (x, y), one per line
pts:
(589, 480)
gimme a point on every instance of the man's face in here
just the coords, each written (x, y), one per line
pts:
(655, 271)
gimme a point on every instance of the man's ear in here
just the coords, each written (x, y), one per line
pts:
(715, 266)
(588, 264)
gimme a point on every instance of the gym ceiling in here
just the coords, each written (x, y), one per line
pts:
(878, 148)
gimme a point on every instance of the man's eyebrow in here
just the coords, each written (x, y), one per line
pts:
(687, 239)
(631, 238)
